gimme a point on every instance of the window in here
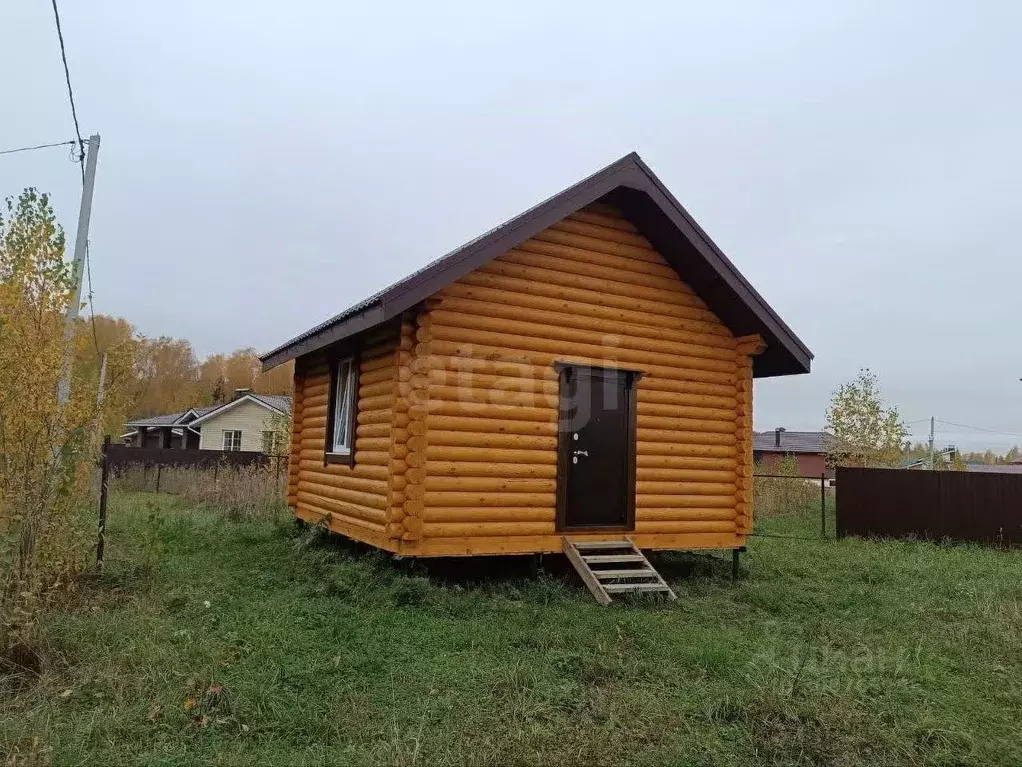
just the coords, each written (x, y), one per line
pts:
(342, 427)
(232, 440)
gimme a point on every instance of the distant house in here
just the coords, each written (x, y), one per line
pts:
(244, 423)
(809, 448)
(995, 468)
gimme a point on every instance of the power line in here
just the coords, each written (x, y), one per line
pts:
(38, 146)
(70, 92)
(979, 428)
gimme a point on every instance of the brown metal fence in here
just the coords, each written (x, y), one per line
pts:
(934, 505)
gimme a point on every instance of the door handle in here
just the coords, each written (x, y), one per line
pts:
(581, 452)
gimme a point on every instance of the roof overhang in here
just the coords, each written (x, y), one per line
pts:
(630, 184)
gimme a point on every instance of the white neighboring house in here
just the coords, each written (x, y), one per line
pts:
(245, 423)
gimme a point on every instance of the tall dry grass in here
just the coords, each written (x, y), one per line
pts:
(241, 493)
(786, 493)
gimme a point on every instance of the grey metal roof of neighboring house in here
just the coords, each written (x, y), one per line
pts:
(1000, 468)
(157, 420)
(793, 442)
(280, 402)
(276, 401)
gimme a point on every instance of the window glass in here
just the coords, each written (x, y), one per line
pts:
(344, 403)
(232, 440)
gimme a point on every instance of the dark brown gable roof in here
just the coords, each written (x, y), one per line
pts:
(632, 186)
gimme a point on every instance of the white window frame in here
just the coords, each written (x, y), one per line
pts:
(344, 403)
(228, 446)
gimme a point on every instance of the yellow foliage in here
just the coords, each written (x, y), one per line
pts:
(45, 450)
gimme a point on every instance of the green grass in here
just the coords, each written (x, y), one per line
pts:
(311, 651)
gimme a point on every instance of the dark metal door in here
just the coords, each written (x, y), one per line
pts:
(596, 484)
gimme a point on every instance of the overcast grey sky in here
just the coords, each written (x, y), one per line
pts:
(266, 164)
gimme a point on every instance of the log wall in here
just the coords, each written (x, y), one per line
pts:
(590, 289)
(456, 446)
(354, 500)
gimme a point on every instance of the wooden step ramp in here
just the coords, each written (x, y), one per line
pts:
(614, 567)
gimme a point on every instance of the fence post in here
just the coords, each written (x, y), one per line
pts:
(823, 504)
(159, 471)
(104, 485)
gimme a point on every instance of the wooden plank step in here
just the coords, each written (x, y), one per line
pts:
(605, 575)
(603, 582)
(596, 559)
(591, 545)
(622, 588)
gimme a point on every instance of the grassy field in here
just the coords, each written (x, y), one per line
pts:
(249, 643)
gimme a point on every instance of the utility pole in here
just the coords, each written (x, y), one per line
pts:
(78, 266)
(933, 462)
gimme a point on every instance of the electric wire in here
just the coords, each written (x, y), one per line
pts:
(70, 91)
(38, 146)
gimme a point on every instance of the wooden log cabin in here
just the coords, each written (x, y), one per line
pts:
(585, 369)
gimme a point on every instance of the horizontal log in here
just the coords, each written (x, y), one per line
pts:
(378, 389)
(376, 444)
(679, 368)
(471, 529)
(684, 488)
(319, 400)
(489, 382)
(690, 425)
(515, 307)
(495, 396)
(528, 371)
(460, 326)
(375, 416)
(455, 498)
(685, 439)
(495, 457)
(648, 500)
(505, 267)
(372, 458)
(684, 527)
(684, 475)
(375, 376)
(441, 468)
(370, 364)
(367, 512)
(342, 470)
(515, 292)
(521, 279)
(678, 410)
(491, 514)
(489, 411)
(574, 260)
(364, 492)
(611, 347)
(381, 402)
(561, 234)
(721, 514)
(492, 426)
(490, 484)
(605, 228)
(343, 517)
(488, 440)
(373, 430)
